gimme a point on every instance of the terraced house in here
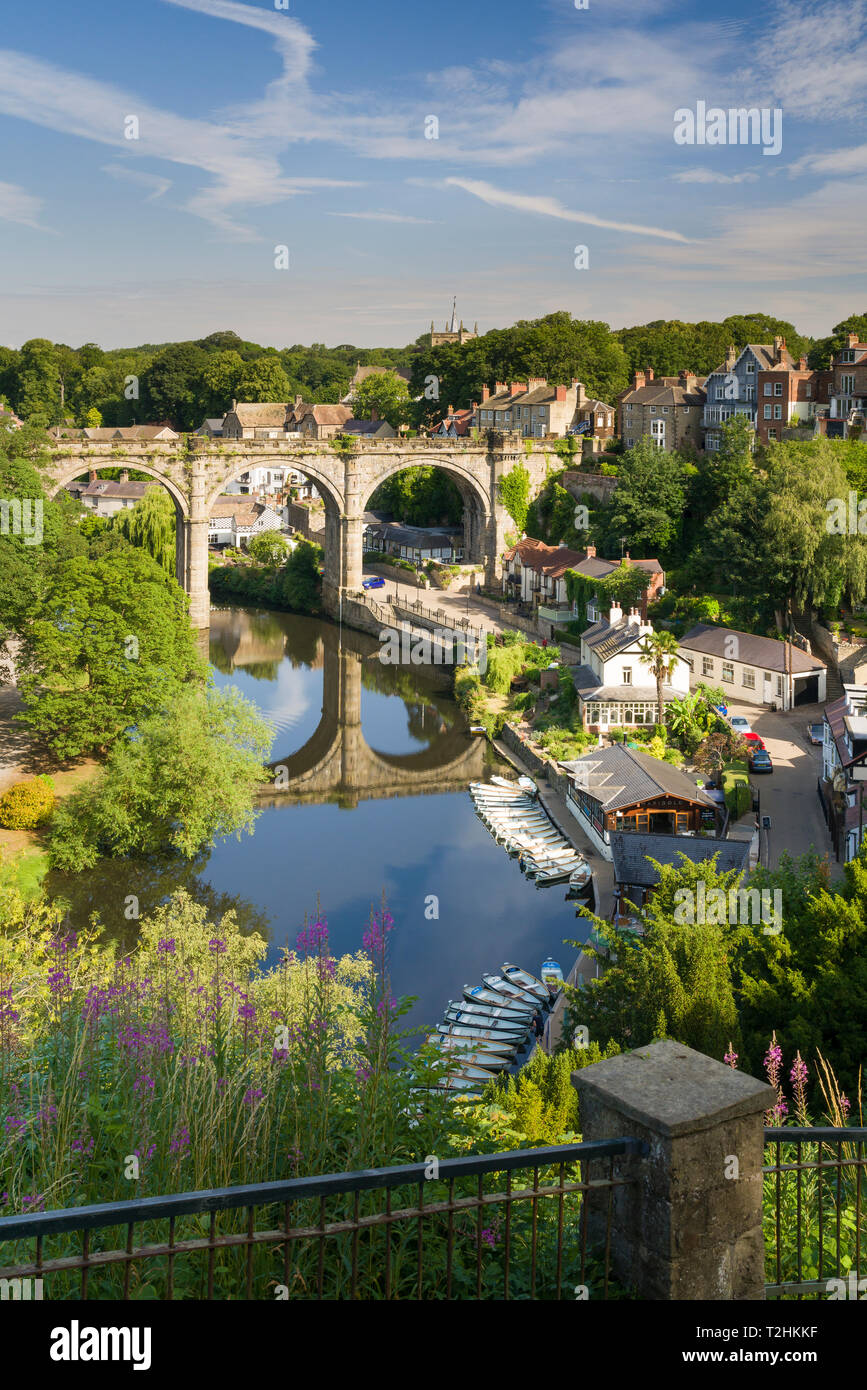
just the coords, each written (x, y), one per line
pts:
(666, 409)
(537, 409)
(733, 389)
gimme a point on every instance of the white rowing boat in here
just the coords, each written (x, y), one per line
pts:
(526, 981)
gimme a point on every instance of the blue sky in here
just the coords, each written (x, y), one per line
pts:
(305, 127)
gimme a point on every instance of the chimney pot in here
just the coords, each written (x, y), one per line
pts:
(485, 393)
(615, 614)
(590, 552)
(516, 388)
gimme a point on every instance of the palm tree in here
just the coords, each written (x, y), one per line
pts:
(660, 651)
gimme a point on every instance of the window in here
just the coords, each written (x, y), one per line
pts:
(778, 412)
(768, 412)
(728, 673)
(657, 430)
(779, 685)
(750, 393)
(778, 388)
(750, 366)
(665, 409)
(847, 355)
(769, 388)
(600, 420)
(720, 393)
(847, 383)
(772, 433)
(748, 678)
(627, 675)
(707, 666)
(629, 443)
(808, 389)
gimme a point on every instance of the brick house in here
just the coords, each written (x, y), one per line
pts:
(789, 396)
(537, 572)
(847, 391)
(666, 409)
(256, 420)
(537, 409)
(323, 421)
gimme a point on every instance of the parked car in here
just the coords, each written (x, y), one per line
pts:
(376, 582)
(815, 733)
(752, 739)
(740, 725)
(760, 760)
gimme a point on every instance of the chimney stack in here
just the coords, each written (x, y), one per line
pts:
(578, 386)
(124, 475)
(485, 393)
(639, 380)
(852, 340)
(589, 552)
(516, 388)
(499, 388)
(779, 348)
(615, 613)
(731, 356)
(559, 393)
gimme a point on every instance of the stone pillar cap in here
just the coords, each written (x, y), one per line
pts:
(673, 1090)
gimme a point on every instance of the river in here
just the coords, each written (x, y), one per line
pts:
(374, 763)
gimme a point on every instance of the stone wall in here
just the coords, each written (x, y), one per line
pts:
(309, 521)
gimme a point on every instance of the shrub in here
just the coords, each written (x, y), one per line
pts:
(736, 789)
(27, 804)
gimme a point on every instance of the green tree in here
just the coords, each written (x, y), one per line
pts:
(675, 981)
(185, 776)
(221, 379)
(660, 652)
(171, 386)
(268, 548)
(111, 640)
(300, 581)
(647, 504)
(264, 380)
(151, 524)
(386, 395)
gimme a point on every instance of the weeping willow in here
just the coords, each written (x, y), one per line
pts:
(150, 524)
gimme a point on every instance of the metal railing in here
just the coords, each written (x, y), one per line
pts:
(423, 1230)
(815, 1223)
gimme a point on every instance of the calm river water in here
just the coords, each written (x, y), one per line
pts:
(377, 761)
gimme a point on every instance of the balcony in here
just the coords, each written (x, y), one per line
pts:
(556, 612)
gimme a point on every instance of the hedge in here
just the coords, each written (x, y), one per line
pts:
(27, 804)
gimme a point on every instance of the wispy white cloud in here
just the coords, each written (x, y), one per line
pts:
(843, 162)
(17, 205)
(813, 57)
(712, 176)
(157, 185)
(383, 217)
(550, 207)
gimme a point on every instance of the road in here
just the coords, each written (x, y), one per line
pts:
(788, 794)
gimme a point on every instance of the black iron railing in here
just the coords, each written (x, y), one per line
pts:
(815, 1223)
(505, 1225)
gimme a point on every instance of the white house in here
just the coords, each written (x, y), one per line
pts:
(753, 669)
(614, 682)
(107, 498)
(234, 520)
(844, 767)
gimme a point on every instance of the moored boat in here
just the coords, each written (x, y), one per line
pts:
(510, 990)
(454, 1034)
(526, 981)
(481, 994)
(552, 973)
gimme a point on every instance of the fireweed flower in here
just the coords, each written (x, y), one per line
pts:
(216, 946)
(166, 946)
(313, 940)
(180, 1143)
(798, 1078)
(252, 1097)
(246, 1011)
(731, 1058)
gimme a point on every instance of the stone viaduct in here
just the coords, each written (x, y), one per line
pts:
(196, 471)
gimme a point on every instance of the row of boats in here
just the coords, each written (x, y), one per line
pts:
(483, 1033)
(519, 822)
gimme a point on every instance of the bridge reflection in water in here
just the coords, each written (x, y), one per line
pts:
(337, 763)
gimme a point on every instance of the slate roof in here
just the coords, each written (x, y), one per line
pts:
(630, 853)
(766, 652)
(328, 414)
(607, 641)
(102, 487)
(245, 511)
(667, 390)
(620, 777)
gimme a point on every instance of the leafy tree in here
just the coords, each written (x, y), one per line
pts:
(171, 385)
(717, 750)
(385, 394)
(221, 378)
(660, 652)
(300, 582)
(264, 380)
(186, 775)
(110, 640)
(268, 547)
(647, 504)
(675, 982)
(151, 524)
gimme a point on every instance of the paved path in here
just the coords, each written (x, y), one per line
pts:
(788, 794)
(452, 602)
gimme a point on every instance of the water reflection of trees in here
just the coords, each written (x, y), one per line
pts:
(106, 890)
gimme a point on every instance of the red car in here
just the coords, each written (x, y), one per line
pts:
(753, 740)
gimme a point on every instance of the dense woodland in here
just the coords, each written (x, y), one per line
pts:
(47, 383)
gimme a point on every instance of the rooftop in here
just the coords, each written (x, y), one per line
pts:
(619, 776)
(631, 854)
(766, 652)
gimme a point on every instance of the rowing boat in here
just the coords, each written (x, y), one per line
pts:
(452, 1034)
(510, 990)
(506, 1020)
(480, 994)
(526, 981)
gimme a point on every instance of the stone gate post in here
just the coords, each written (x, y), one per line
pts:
(688, 1223)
